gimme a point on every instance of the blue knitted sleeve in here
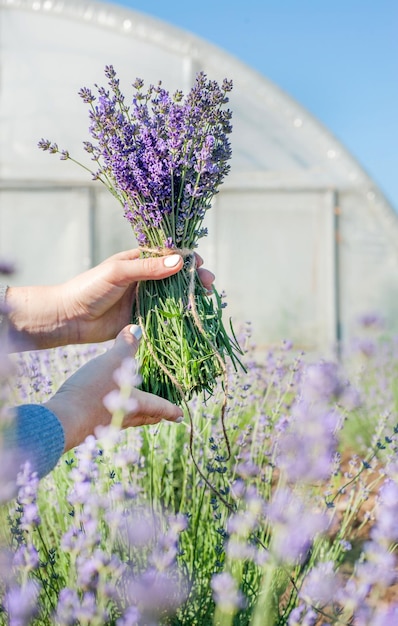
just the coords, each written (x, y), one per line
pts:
(38, 436)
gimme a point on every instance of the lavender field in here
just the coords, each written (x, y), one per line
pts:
(297, 527)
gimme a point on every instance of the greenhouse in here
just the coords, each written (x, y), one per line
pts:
(160, 473)
(300, 238)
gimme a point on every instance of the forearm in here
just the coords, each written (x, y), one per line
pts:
(78, 416)
(35, 320)
(35, 435)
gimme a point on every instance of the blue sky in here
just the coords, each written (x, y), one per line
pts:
(339, 59)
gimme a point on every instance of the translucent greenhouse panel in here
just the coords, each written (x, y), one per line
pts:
(369, 261)
(45, 102)
(275, 259)
(112, 232)
(46, 233)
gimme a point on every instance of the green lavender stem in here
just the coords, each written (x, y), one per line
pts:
(186, 352)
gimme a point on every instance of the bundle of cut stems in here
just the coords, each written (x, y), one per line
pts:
(163, 157)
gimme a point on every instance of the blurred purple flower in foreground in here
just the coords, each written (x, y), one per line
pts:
(226, 593)
(294, 526)
(21, 603)
(7, 268)
(307, 444)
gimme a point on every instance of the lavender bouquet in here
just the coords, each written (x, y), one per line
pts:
(163, 157)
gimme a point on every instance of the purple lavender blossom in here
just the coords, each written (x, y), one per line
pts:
(7, 268)
(166, 549)
(307, 445)
(138, 527)
(156, 593)
(115, 401)
(371, 320)
(244, 522)
(165, 155)
(294, 524)
(385, 616)
(21, 603)
(89, 611)
(385, 530)
(366, 346)
(127, 375)
(98, 565)
(378, 568)
(68, 601)
(376, 571)
(26, 557)
(10, 465)
(82, 608)
(303, 616)
(226, 594)
(131, 617)
(321, 585)
(322, 383)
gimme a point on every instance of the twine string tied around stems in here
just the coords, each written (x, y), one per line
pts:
(188, 253)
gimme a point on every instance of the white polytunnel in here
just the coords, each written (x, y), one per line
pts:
(300, 237)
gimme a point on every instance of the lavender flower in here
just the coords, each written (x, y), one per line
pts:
(371, 319)
(243, 523)
(385, 616)
(7, 268)
(226, 594)
(385, 531)
(308, 443)
(138, 527)
(96, 534)
(156, 593)
(26, 557)
(303, 616)
(66, 612)
(295, 525)
(322, 584)
(163, 157)
(21, 603)
(131, 617)
(160, 151)
(10, 465)
(115, 402)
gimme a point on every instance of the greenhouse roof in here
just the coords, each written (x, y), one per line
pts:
(50, 48)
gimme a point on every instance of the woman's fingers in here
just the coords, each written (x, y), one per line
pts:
(127, 341)
(123, 272)
(130, 255)
(198, 260)
(127, 267)
(206, 278)
(152, 409)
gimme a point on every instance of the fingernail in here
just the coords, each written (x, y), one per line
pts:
(136, 331)
(172, 260)
(179, 419)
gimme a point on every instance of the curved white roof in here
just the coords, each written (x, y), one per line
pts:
(57, 46)
(310, 221)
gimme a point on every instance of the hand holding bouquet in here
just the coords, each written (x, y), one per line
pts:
(163, 157)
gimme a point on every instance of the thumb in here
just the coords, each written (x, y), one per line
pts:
(127, 341)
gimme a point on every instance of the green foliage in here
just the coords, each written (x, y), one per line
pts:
(107, 488)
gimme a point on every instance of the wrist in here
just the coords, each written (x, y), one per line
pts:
(78, 415)
(35, 321)
(70, 419)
